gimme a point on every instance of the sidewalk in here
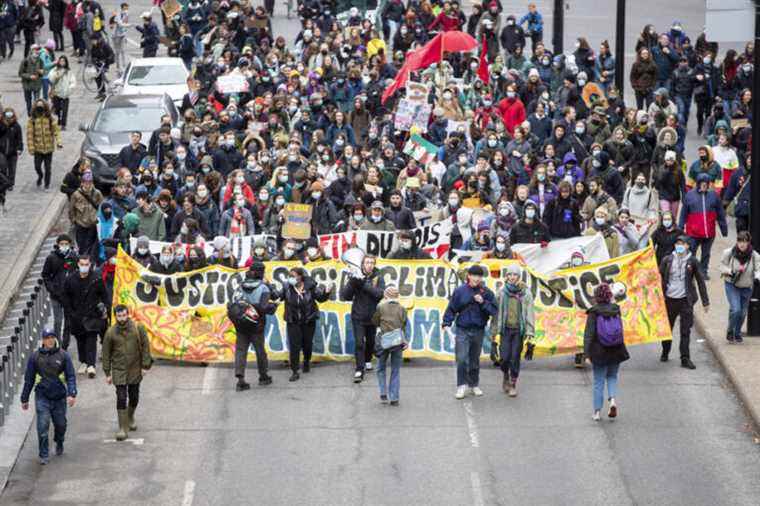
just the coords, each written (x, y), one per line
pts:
(740, 361)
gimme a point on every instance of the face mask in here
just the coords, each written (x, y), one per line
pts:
(492, 143)
(500, 246)
(312, 252)
(240, 179)
(205, 169)
(600, 221)
(287, 252)
(447, 96)
(338, 142)
(406, 245)
(667, 223)
(706, 61)
(530, 213)
(166, 259)
(190, 184)
(581, 82)
(107, 214)
(358, 218)
(240, 202)
(202, 194)
(326, 158)
(579, 130)
(283, 178)
(640, 184)
(577, 262)
(230, 142)
(596, 152)
(746, 67)
(181, 156)
(84, 269)
(292, 281)
(264, 159)
(183, 230)
(316, 195)
(454, 202)
(168, 173)
(487, 103)
(264, 197)
(596, 164)
(376, 219)
(703, 158)
(541, 177)
(142, 251)
(511, 94)
(680, 249)
(280, 201)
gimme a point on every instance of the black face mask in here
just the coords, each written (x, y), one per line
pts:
(39, 109)
(107, 214)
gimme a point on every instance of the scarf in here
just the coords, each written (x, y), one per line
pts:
(742, 256)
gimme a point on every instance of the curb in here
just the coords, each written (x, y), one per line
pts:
(32, 246)
(750, 407)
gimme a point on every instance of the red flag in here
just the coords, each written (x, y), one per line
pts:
(483, 65)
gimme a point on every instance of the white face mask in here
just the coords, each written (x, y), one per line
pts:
(292, 280)
(287, 252)
(183, 230)
(240, 202)
(84, 269)
(142, 251)
(504, 212)
(202, 193)
(280, 201)
(64, 249)
(406, 245)
(264, 197)
(453, 202)
(511, 94)
(500, 246)
(667, 223)
(530, 213)
(577, 261)
(240, 179)
(166, 259)
(358, 218)
(600, 221)
(312, 252)
(316, 195)
(283, 178)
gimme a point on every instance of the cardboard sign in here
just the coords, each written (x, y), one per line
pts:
(297, 221)
(416, 91)
(232, 83)
(412, 113)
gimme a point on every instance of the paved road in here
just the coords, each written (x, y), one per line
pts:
(682, 437)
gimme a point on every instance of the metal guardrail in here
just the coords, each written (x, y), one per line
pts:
(23, 341)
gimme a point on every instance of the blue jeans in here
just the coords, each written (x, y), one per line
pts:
(469, 345)
(602, 373)
(510, 349)
(46, 410)
(390, 389)
(706, 245)
(684, 108)
(738, 303)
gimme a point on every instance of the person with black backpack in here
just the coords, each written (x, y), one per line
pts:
(604, 348)
(45, 370)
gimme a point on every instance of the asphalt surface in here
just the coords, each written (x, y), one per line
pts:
(681, 437)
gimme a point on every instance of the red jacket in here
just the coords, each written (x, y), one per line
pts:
(512, 113)
(447, 23)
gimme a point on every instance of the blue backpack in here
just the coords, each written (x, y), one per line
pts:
(609, 330)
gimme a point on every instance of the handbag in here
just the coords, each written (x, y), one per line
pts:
(392, 339)
(731, 209)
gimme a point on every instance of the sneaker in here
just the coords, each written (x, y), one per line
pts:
(512, 389)
(47, 189)
(394, 403)
(39, 182)
(358, 376)
(265, 380)
(294, 377)
(477, 392)
(59, 449)
(739, 339)
(461, 391)
(384, 399)
(368, 366)
(596, 416)
(613, 412)
(91, 372)
(730, 337)
(686, 363)
(242, 385)
(44, 461)
(82, 369)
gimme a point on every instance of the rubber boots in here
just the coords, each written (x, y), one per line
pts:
(121, 434)
(131, 418)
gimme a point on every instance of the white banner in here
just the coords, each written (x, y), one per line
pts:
(434, 239)
(241, 246)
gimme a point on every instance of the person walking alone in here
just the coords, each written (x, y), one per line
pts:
(59, 265)
(470, 307)
(301, 314)
(63, 82)
(679, 271)
(126, 358)
(604, 347)
(43, 373)
(739, 268)
(391, 318)
(514, 322)
(42, 138)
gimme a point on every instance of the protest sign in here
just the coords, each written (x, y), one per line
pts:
(232, 83)
(420, 149)
(416, 91)
(185, 313)
(412, 113)
(297, 223)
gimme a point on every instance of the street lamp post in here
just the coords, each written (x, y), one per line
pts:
(620, 47)
(753, 320)
(559, 26)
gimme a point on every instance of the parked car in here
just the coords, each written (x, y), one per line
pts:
(117, 117)
(154, 76)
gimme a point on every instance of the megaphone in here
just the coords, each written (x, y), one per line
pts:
(354, 258)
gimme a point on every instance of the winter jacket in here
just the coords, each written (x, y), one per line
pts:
(42, 134)
(259, 298)
(126, 352)
(643, 75)
(11, 139)
(739, 188)
(527, 318)
(466, 311)
(130, 157)
(48, 365)
(693, 274)
(384, 225)
(31, 66)
(594, 201)
(226, 222)
(8, 14)
(152, 223)
(563, 219)
(610, 235)
(592, 347)
(57, 268)
(402, 218)
(512, 113)
(669, 183)
(365, 294)
(82, 298)
(683, 82)
(664, 241)
(665, 61)
(83, 207)
(324, 217)
(738, 274)
(699, 213)
(302, 308)
(63, 81)
(643, 203)
(529, 233)
(389, 316)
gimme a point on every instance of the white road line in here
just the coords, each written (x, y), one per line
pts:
(187, 497)
(477, 492)
(135, 441)
(209, 379)
(472, 427)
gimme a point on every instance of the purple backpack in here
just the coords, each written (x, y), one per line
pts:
(609, 330)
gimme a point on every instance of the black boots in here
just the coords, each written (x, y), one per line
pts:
(686, 363)
(265, 380)
(242, 384)
(295, 376)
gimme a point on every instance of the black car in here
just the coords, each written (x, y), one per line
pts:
(117, 117)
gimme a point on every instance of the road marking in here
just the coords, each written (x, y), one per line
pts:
(209, 379)
(477, 492)
(136, 441)
(187, 497)
(472, 427)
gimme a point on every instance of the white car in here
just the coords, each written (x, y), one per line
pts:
(155, 76)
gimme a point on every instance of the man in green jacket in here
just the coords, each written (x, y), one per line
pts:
(126, 357)
(30, 71)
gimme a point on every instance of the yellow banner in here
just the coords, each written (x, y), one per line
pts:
(185, 313)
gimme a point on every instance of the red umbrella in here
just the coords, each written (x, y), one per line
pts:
(453, 42)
